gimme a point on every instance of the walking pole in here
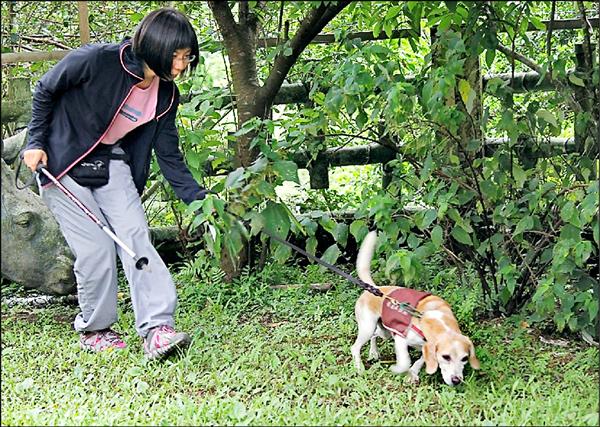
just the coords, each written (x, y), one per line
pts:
(141, 263)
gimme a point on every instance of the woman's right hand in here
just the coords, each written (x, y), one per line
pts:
(32, 158)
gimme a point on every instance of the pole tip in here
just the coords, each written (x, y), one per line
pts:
(142, 264)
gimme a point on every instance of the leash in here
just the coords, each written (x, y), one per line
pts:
(397, 305)
(31, 179)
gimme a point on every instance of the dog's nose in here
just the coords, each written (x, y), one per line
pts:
(455, 380)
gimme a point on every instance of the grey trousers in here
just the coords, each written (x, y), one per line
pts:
(117, 204)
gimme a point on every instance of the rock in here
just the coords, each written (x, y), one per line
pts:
(34, 252)
(12, 145)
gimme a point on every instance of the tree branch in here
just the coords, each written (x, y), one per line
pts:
(521, 58)
(587, 40)
(240, 44)
(244, 10)
(311, 26)
(549, 37)
(560, 85)
(225, 21)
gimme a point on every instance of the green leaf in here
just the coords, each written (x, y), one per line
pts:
(526, 223)
(328, 224)
(537, 23)
(287, 52)
(311, 245)
(519, 174)
(359, 229)
(258, 165)
(592, 307)
(309, 225)
(377, 28)
(489, 189)
(570, 214)
(333, 100)
(266, 189)
(361, 119)
(276, 219)
(235, 178)
(428, 218)
(467, 94)
(426, 169)
(424, 251)
(576, 80)
(281, 253)
(392, 264)
(451, 5)
(461, 235)
(511, 284)
(570, 232)
(413, 241)
(340, 233)
(547, 116)
(437, 236)
(490, 55)
(331, 254)
(287, 170)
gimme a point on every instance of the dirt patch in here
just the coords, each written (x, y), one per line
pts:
(268, 320)
(21, 315)
(63, 318)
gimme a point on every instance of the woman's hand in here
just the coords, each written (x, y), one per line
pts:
(34, 157)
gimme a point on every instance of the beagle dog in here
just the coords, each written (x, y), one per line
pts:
(436, 331)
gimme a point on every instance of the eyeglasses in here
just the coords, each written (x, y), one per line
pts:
(186, 59)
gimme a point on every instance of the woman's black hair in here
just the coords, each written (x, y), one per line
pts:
(159, 35)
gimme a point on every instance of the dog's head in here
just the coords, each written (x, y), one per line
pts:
(450, 352)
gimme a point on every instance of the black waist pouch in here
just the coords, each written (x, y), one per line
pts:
(93, 170)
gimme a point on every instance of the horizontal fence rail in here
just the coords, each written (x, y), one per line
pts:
(559, 24)
(297, 93)
(376, 153)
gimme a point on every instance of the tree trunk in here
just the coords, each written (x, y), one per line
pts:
(254, 99)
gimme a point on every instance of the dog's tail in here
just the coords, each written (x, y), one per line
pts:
(365, 255)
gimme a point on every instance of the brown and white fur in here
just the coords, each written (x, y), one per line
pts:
(445, 346)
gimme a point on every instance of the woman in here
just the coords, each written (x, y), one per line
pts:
(118, 99)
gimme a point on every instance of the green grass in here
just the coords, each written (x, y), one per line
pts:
(281, 357)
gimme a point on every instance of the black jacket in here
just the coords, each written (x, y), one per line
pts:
(75, 102)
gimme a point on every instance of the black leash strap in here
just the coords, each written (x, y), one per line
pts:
(397, 305)
(373, 289)
(30, 181)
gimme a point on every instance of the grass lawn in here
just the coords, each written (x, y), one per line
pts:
(282, 357)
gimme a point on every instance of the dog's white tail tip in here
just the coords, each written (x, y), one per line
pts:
(365, 255)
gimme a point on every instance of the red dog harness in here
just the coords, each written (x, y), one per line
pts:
(396, 320)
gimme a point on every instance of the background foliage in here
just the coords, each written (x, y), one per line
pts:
(526, 221)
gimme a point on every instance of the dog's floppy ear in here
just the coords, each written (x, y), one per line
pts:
(473, 361)
(429, 354)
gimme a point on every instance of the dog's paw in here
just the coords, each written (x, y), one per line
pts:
(360, 367)
(411, 378)
(374, 355)
(397, 369)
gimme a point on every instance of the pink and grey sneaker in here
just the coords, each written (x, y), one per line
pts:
(163, 340)
(96, 341)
